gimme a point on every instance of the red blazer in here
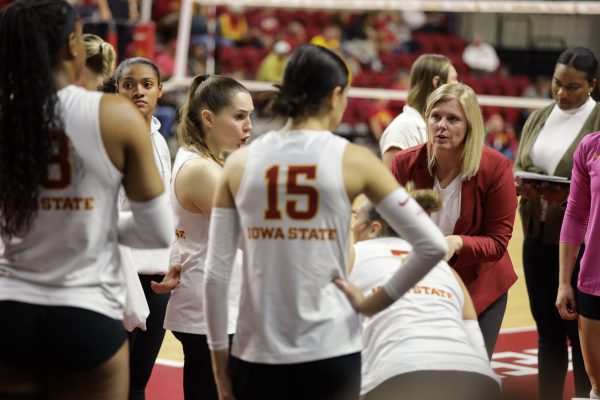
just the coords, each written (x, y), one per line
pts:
(487, 214)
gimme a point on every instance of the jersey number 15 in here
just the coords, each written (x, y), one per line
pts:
(292, 187)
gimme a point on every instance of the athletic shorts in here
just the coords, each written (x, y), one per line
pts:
(588, 305)
(335, 378)
(63, 339)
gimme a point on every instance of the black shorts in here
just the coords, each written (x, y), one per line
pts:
(58, 338)
(335, 378)
(588, 305)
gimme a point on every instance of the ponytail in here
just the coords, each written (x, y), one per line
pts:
(206, 93)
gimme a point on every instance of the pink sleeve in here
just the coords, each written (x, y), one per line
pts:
(576, 216)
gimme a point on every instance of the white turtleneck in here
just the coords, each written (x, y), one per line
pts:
(557, 134)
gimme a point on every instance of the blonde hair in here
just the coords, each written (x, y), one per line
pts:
(429, 201)
(473, 144)
(100, 56)
(422, 72)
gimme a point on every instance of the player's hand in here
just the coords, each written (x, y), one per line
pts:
(354, 294)
(565, 302)
(169, 282)
(455, 245)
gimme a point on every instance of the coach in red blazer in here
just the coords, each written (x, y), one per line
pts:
(480, 201)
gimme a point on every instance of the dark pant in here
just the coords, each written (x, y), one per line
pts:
(490, 321)
(437, 385)
(198, 379)
(145, 345)
(335, 378)
(540, 263)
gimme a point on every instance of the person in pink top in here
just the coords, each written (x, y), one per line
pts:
(581, 224)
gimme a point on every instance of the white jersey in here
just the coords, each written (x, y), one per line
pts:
(423, 330)
(295, 216)
(150, 261)
(408, 129)
(69, 255)
(185, 310)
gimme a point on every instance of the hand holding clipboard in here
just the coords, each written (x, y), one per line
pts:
(554, 189)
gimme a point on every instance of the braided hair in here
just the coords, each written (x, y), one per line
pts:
(32, 33)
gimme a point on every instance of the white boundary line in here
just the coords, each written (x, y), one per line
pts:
(169, 363)
(518, 330)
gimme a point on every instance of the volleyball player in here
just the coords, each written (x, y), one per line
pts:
(214, 119)
(290, 192)
(138, 79)
(99, 62)
(64, 152)
(428, 344)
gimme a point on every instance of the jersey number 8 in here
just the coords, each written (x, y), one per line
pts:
(59, 165)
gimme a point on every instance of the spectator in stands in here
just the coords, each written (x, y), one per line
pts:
(165, 58)
(197, 57)
(199, 30)
(398, 34)
(401, 82)
(408, 129)
(233, 27)
(264, 27)
(548, 141)
(477, 188)
(380, 116)
(122, 12)
(540, 89)
(414, 18)
(501, 137)
(166, 15)
(330, 38)
(361, 41)
(295, 34)
(272, 66)
(481, 57)
(435, 22)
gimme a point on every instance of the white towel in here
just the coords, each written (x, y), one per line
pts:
(136, 306)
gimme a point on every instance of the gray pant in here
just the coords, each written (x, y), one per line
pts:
(490, 321)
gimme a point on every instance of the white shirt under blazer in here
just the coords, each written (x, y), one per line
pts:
(69, 255)
(290, 310)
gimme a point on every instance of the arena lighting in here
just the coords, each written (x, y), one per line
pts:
(180, 80)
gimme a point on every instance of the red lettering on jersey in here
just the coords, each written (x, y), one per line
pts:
(67, 203)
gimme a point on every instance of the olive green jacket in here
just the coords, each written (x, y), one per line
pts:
(530, 210)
